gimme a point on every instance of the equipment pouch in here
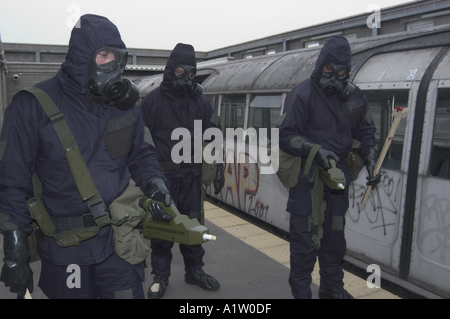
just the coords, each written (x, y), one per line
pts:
(289, 169)
(40, 215)
(64, 239)
(129, 242)
(208, 170)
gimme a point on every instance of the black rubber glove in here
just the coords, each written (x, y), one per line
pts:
(370, 158)
(322, 156)
(16, 271)
(157, 190)
(219, 180)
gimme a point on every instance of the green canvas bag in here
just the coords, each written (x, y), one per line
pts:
(129, 241)
(289, 169)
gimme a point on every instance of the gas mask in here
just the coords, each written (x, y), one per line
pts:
(333, 81)
(183, 82)
(104, 78)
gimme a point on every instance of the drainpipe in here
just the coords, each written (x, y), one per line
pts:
(3, 57)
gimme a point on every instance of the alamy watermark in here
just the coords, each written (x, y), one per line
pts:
(258, 147)
(374, 280)
(74, 279)
(73, 20)
(374, 20)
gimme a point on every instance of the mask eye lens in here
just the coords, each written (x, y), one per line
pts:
(179, 72)
(105, 59)
(342, 73)
(327, 70)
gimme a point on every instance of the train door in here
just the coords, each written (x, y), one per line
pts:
(232, 109)
(429, 264)
(268, 200)
(374, 231)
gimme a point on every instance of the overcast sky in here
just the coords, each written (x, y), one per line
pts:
(161, 24)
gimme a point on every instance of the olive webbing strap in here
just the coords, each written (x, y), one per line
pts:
(318, 205)
(309, 162)
(83, 179)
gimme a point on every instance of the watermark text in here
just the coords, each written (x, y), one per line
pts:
(374, 20)
(258, 146)
(74, 18)
(374, 280)
(74, 280)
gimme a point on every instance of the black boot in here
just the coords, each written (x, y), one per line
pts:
(159, 287)
(334, 293)
(201, 279)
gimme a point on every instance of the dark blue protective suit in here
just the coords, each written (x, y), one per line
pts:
(325, 120)
(164, 110)
(32, 145)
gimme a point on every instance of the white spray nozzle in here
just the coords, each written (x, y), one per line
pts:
(208, 237)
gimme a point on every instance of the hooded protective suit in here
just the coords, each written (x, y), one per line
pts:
(313, 117)
(165, 109)
(111, 142)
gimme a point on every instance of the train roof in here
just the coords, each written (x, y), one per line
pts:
(283, 71)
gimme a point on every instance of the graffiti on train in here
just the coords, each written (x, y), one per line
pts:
(434, 228)
(242, 178)
(381, 210)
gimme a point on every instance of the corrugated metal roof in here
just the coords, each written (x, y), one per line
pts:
(279, 72)
(148, 84)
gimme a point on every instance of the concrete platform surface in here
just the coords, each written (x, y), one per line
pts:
(249, 263)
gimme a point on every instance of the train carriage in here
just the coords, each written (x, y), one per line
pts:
(405, 226)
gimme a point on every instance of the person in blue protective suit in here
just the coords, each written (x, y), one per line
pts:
(100, 110)
(326, 110)
(177, 103)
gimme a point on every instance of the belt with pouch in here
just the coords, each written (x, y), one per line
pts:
(69, 223)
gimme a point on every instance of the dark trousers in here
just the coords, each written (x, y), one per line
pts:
(112, 279)
(186, 193)
(332, 249)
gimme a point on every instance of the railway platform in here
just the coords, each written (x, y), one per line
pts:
(249, 263)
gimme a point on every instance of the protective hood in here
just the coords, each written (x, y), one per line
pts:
(337, 51)
(182, 54)
(93, 33)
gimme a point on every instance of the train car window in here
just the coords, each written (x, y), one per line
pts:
(381, 103)
(265, 110)
(233, 110)
(214, 100)
(440, 156)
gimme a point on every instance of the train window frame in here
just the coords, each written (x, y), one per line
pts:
(388, 99)
(214, 100)
(270, 105)
(233, 107)
(440, 155)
